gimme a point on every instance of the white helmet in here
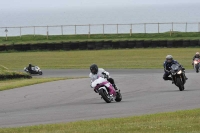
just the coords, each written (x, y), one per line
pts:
(169, 58)
(197, 53)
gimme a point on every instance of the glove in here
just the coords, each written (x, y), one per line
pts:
(105, 75)
(168, 71)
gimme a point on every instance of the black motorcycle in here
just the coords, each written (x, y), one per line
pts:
(178, 76)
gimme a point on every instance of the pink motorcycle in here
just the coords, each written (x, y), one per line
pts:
(106, 90)
(196, 64)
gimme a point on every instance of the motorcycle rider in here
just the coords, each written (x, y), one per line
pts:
(167, 67)
(197, 55)
(100, 72)
(30, 67)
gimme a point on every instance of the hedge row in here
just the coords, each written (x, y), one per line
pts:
(101, 45)
(13, 75)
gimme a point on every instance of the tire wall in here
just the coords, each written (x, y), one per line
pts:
(92, 45)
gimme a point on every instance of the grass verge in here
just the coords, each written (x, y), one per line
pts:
(176, 122)
(15, 83)
(30, 39)
(5, 73)
(151, 58)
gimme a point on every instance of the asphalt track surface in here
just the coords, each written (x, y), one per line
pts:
(143, 92)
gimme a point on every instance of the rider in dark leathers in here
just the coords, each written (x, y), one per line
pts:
(167, 67)
(29, 67)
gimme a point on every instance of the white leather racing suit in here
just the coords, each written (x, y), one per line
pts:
(93, 77)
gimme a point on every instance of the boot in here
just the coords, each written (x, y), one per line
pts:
(197, 70)
(111, 97)
(186, 78)
(116, 89)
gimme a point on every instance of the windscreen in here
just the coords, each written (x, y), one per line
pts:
(175, 67)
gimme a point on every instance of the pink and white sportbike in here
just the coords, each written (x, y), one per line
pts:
(196, 64)
(106, 90)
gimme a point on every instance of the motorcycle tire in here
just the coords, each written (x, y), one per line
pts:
(40, 73)
(180, 84)
(118, 97)
(197, 68)
(104, 96)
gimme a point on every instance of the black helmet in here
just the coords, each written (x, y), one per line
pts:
(94, 69)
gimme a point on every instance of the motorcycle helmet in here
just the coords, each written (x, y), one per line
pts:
(169, 58)
(197, 54)
(94, 69)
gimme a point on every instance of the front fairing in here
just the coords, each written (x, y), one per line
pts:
(26, 69)
(97, 82)
(196, 61)
(36, 69)
(175, 69)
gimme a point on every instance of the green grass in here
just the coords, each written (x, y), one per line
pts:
(175, 122)
(3, 68)
(5, 73)
(15, 83)
(123, 58)
(99, 37)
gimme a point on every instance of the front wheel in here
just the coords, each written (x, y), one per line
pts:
(180, 84)
(105, 96)
(118, 97)
(197, 68)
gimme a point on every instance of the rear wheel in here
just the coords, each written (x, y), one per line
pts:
(29, 72)
(180, 84)
(118, 97)
(40, 73)
(105, 96)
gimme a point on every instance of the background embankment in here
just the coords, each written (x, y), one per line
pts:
(95, 42)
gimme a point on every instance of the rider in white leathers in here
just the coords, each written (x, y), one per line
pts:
(100, 72)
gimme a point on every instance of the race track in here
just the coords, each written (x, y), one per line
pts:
(143, 92)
